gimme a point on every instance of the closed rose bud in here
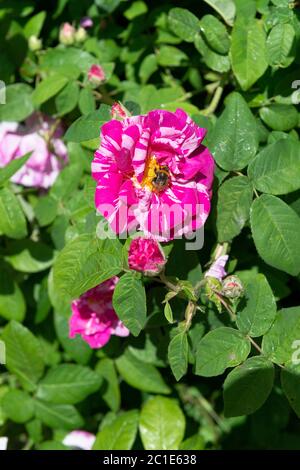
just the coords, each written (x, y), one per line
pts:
(96, 75)
(232, 287)
(34, 43)
(145, 255)
(118, 111)
(80, 35)
(67, 34)
(86, 22)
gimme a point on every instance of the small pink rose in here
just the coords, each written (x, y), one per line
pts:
(145, 255)
(94, 318)
(67, 34)
(96, 75)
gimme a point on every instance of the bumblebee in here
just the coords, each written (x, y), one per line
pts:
(161, 178)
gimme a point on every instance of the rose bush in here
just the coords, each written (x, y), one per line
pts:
(149, 225)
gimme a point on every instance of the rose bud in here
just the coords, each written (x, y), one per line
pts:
(118, 111)
(80, 35)
(34, 43)
(96, 75)
(86, 22)
(67, 34)
(232, 287)
(145, 255)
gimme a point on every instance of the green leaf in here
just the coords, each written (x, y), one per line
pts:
(225, 9)
(129, 302)
(46, 210)
(215, 34)
(162, 424)
(276, 169)
(28, 256)
(195, 442)
(110, 389)
(221, 348)
(168, 312)
(87, 127)
(18, 406)
(183, 23)
(58, 416)
(280, 45)
(86, 262)
(11, 168)
(68, 384)
(234, 140)
(12, 302)
(178, 351)
(280, 117)
(23, 354)
(281, 343)
(18, 104)
(48, 87)
(170, 56)
(274, 228)
(12, 219)
(290, 382)
(247, 387)
(140, 375)
(34, 25)
(233, 207)
(67, 99)
(147, 68)
(67, 181)
(248, 51)
(86, 101)
(137, 8)
(257, 311)
(120, 434)
(219, 63)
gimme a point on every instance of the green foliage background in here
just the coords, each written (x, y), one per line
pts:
(225, 382)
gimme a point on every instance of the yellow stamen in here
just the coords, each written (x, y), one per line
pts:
(150, 172)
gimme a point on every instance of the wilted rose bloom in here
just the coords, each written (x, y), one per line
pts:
(94, 318)
(96, 75)
(79, 440)
(217, 268)
(67, 34)
(153, 174)
(118, 111)
(145, 255)
(47, 158)
(86, 22)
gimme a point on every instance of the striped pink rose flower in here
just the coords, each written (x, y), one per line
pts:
(153, 174)
(93, 316)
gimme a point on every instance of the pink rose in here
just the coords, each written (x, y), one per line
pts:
(96, 75)
(67, 34)
(47, 158)
(94, 318)
(153, 174)
(146, 255)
